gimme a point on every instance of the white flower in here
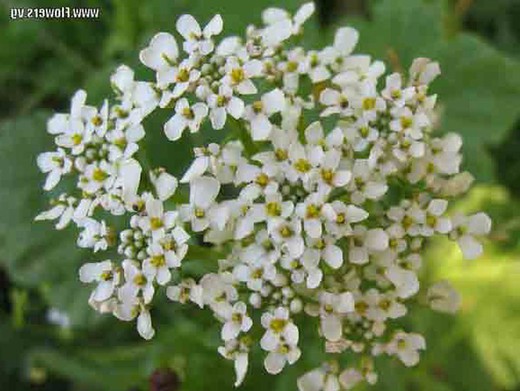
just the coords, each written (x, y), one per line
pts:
(202, 210)
(406, 347)
(222, 104)
(442, 297)
(434, 222)
(311, 213)
(332, 308)
(186, 116)
(130, 310)
(183, 76)
(238, 75)
(237, 350)
(63, 210)
(197, 40)
(255, 273)
(349, 378)
(285, 354)
(97, 176)
(102, 273)
(288, 235)
(236, 321)
(95, 234)
(156, 221)
(340, 216)
(186, 290)
(218, 291)
(280, 25)
(278, 328)
(54, 164)
(324, 378)
(316, 67)
(135, 282)
(365, 242)
(423, 71)
(394, 91)
(258, 113)
(466, 228)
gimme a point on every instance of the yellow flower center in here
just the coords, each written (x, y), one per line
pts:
(278, 325)
(273, 209)
(99, 175)
(237, 75)
(302, 165)
(156, 223)
(369, 104)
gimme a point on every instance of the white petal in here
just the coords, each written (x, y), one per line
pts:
(273, 101)
(197, 169)
(144, 325)
(214, 26)
(241, 364)
(311, 381)
(377, 239)
(174, 127)
(331, 327)
(187, 26)
(346, 40)
(470, 247)
(260, 127)
(333, 256)
(479, 224)
(203, 191)
(274, 363)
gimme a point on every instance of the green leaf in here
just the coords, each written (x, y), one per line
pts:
(34, 253)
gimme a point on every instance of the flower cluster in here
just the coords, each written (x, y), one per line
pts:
(318, 204)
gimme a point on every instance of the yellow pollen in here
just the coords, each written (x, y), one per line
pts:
(369, 104)
(188, 113)
(292, 66)
(77, 138)
(139, 280)
(273, 209)
(280, 154)
(396, 94)
(96, 120)
(363, 131)
(156, 223)
(286, 231)
(158, 260)
(107, 275)
(258, 106)
(431, 220)
(327, 175)
(237, 75)
(199, 213)
(302, 165)
(340, 218)
(99, 175)
(262, 179)
(406, 122)
(278, 325)
(183, 75)
(312, 211)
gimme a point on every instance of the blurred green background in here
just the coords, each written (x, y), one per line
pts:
(43, 62)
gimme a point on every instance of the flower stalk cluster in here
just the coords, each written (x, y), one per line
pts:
(318, 204)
